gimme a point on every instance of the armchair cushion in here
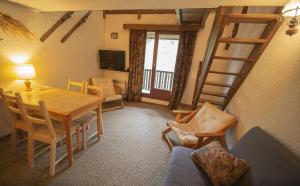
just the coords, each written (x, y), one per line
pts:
(211, 119)
(187, 139)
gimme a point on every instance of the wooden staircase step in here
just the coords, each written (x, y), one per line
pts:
(242, 40)
(234, 58)
(224, 73)
(251, 18)
(211, 101)
(214, 94)
(260, 43)
(218, 84)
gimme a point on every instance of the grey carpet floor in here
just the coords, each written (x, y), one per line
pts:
(131, 152)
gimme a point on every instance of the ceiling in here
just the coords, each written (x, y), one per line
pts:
(194, 16)
(77, 5)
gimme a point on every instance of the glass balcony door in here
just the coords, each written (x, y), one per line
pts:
(160, 60)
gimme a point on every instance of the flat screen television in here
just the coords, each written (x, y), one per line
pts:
(112, 59)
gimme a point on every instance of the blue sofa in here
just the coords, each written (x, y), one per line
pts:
(271, 163)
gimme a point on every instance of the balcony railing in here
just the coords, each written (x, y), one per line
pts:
(163, 80)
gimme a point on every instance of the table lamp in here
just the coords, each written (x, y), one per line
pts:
(25, 72)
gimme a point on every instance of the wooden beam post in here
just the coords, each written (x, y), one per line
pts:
(104, 14)
(178, 16)
(139, 14)
(65, 17)
(78, 24)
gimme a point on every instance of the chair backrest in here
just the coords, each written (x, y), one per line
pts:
(79, 85)
(36, 115)
(211, 119)
(93, 90)
(11, 103)
(106, 83)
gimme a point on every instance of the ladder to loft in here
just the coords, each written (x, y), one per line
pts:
(221, 20)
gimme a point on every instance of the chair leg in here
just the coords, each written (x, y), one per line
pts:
(13, 139)
(99, 129)
(99, 122)
(52, 158)
(122, 103)
(166, 131)
(84, 136)
(78, 139)
(30, 151)
(164, 135)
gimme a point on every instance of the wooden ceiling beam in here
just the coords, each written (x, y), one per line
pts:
(158, 27)
(75, 27)
(139, 12)
(65, 17)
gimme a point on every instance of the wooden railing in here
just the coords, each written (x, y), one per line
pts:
(163, 80)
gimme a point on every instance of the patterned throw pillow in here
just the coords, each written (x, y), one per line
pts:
(221, 167)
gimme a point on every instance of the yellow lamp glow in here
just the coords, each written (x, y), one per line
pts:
(25, 72)
(19, 58)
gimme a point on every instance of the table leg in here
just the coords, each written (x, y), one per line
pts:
(99, 121)
(67, 123)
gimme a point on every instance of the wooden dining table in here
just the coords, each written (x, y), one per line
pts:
(66, 106)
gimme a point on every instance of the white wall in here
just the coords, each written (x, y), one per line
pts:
(270, 96)
(55, 62)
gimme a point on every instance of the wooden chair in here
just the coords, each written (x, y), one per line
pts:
(42, 129)
(111, 91)
(198, 128)
(18, 122)
(90, 117)
(79, 85)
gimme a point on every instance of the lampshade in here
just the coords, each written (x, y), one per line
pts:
(291, 9)
(25, 71)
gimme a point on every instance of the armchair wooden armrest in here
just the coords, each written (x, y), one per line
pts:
(206, 138)
(182, 111)
(210, 134)
(180, 114)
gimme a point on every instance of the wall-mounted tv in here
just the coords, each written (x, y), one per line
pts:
(112, 59)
